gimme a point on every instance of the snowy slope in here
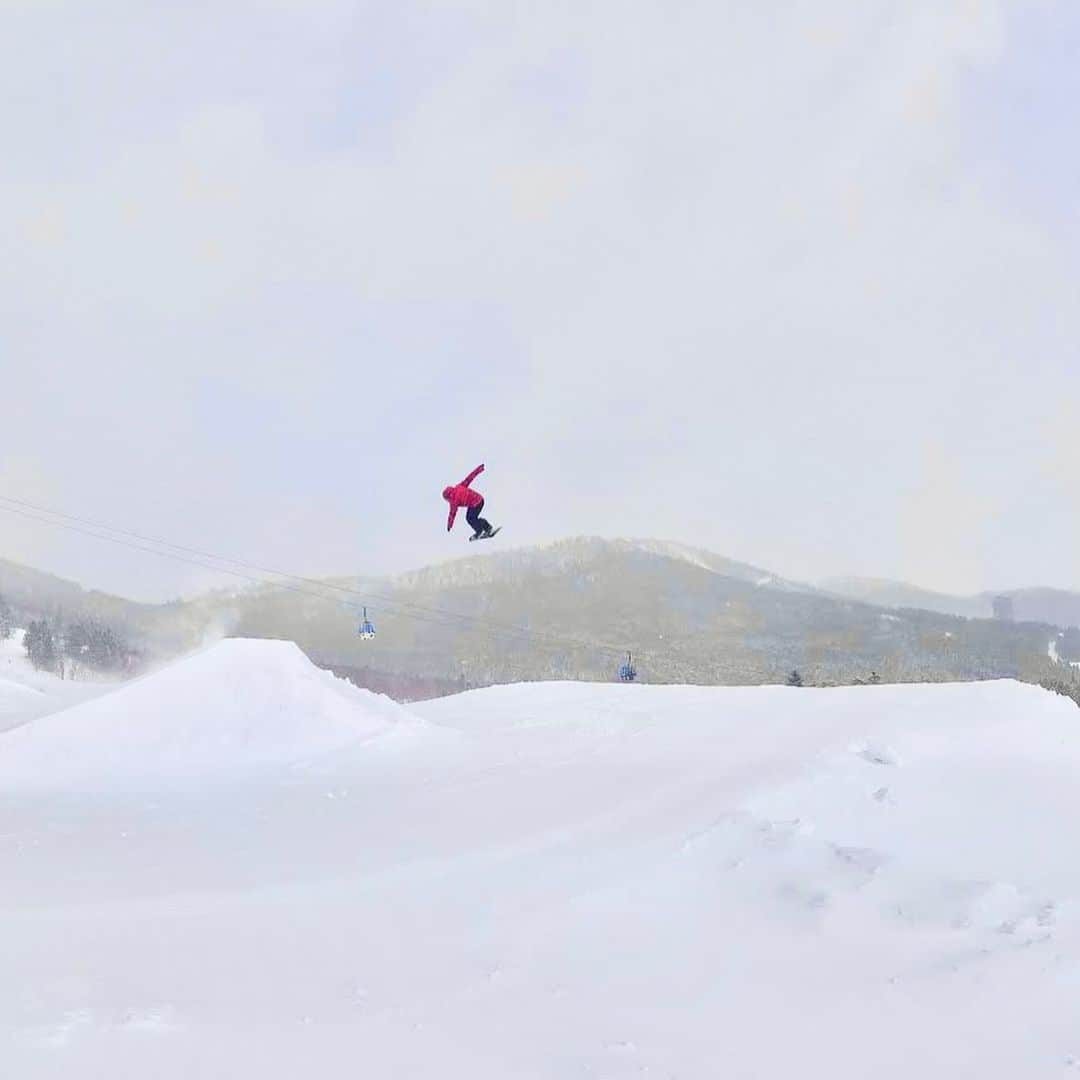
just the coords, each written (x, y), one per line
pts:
(26, 693)
(561, 880)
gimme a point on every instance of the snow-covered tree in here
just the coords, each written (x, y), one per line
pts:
(92, 644)
(40, 644)
(794, 679)
(7, 620)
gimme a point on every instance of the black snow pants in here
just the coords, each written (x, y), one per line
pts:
(472, 516)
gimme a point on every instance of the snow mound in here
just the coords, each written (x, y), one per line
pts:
(239, 705)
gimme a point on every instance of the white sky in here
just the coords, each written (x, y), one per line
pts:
(797, 282)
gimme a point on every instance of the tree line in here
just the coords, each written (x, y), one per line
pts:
(72, 647)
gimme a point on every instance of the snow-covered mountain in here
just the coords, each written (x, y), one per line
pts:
(1058, 607)
(688, 615)
(544, 881)
(574, 608)
(898, 594)
(1054, 607)
(569, 556)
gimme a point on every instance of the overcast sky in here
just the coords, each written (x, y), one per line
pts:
(797, 282)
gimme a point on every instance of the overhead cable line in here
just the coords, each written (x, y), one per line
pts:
(196, 557)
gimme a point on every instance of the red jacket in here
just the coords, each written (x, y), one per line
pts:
(460, 495)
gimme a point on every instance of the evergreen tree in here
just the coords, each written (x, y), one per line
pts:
(40, 645)
(1064, 681)
(794, 679)
(91, 644)
(7, 620)
(76, 646)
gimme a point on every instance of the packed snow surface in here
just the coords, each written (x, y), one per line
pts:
(542, 881)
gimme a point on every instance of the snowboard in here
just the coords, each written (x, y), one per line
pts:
(487, 536)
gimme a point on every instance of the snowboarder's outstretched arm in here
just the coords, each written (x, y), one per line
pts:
(453, 514)
(472, 476)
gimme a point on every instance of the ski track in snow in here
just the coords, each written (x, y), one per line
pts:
(242, 867)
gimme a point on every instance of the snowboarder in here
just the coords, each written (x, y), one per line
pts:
(459, 495)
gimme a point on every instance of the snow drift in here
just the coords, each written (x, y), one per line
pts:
(235, 707)
(555, 880)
